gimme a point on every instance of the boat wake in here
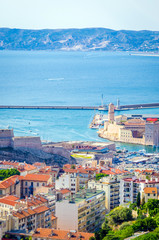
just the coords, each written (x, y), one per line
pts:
(55, 79)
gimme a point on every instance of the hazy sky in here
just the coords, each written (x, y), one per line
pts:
(115, 14)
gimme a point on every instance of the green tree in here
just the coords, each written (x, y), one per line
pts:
(100, 175)
(119, 215)
(73, 167)
(6, 173)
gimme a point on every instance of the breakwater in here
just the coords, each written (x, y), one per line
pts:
(49, 107)
(122, 107)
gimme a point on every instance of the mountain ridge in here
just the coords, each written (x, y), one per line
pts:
(76, 39)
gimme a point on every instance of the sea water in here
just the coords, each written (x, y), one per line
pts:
(76, 79)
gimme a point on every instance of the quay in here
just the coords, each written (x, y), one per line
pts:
(122, 107)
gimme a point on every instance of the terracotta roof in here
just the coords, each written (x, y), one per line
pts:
(7, 201)
(26, 167)
(23, 213)
(28, 212)
(35, 201)
(151, 190)
(36, 177)
(9, 181)
(41, 209)
(64, 191)
(61, 234)
(137, 170)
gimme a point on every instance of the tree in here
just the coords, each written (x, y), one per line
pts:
(138, 199)
(100, 175)
(6, 173)
(73, 167)
(119, 215)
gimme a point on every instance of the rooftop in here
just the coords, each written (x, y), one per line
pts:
(85, 196)
(151, 190)
(61, 234)
(36, 177)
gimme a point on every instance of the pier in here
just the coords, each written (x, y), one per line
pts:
(122, 107)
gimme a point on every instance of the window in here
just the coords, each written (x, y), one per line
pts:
(148, 194)
(26, 183)
(37, 184)
(26, 190)
(154, 194)
(43, 184)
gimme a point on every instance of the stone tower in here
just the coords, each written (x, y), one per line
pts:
(111, 112)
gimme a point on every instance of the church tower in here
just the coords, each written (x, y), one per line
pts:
(111, 112)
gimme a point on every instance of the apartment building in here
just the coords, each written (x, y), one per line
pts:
(84, 212)
(31, 182)
(84, 174)
(29, 213)
(129, 188)
(110, 185)
(68, 181)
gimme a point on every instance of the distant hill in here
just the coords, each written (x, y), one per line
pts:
(79, 39)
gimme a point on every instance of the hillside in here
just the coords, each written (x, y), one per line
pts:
(79, 39)
(31, 156)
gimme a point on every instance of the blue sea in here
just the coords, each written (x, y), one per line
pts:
(72, 78)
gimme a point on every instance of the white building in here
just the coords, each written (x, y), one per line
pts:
(129, 188)
(85, 212)
(68, 181)
(111, 187)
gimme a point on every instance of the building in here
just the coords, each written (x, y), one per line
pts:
(110, 185)
(133, 130)
(84, 174)
(130, 187)
(29, 213)
(152, 133)
(31, 182)
(150, 193)
(10, 186)
(50, 170)
(84, 212)
(68, 181)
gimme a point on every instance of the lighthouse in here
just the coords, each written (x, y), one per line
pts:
(111, 112)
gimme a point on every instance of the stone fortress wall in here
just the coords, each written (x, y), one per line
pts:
(7, 139)
(26, 142)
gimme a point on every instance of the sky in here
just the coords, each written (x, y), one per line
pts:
(57, 14)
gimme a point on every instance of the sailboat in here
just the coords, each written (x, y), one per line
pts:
(103, 107)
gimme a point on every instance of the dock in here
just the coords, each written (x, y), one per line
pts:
(122, 107)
